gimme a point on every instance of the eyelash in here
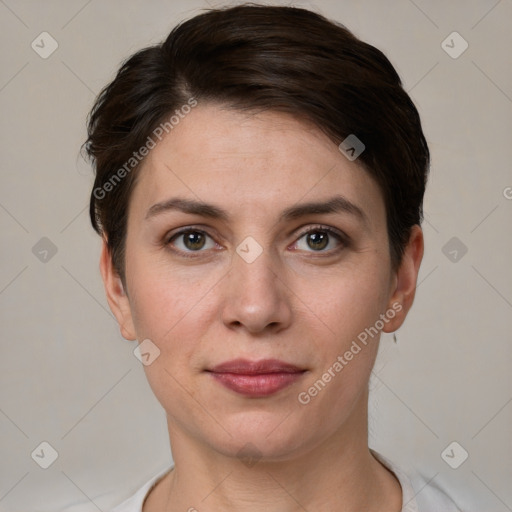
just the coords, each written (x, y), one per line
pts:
(184, 231)
(338, 235)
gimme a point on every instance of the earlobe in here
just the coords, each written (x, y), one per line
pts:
(405, 280)
(116, 294)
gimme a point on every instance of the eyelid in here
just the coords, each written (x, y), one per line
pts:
(329, 229)
(186, 229)
(343, 238)
(170, 237)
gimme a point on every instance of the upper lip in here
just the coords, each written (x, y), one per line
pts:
(247, 367)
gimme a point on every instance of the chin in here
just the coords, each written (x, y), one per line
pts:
(256, 439)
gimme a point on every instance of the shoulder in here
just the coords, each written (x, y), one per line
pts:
(418, 493)
(135, 502)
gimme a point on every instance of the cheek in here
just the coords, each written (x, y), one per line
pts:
(346, 307)
(347, 299)
(165, 296)
(171, 310)
(173, 307)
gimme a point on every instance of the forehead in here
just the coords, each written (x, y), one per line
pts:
(250, 160)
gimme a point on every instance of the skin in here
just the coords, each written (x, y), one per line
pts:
(293, 303)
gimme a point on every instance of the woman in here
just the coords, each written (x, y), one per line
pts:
(259, 187)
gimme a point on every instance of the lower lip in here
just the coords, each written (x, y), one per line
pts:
(256, 385)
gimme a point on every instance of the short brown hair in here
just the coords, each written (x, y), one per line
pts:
(254, 57)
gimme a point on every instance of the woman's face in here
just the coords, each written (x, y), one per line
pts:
(248, 282)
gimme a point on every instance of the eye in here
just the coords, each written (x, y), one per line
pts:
(320, 239)
(191, 240)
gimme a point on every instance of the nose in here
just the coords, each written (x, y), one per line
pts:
(255, 296)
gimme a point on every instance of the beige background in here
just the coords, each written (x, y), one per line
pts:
(69, 379)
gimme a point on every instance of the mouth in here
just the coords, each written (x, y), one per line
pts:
(256, 379)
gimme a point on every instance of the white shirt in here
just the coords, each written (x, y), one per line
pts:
(420, 498)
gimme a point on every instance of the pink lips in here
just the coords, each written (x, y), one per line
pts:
(256, 378)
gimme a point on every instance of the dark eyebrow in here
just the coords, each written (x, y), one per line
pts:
(188, 206)
(335, 204)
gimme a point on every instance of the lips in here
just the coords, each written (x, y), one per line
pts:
(256, 378)
(246, 367)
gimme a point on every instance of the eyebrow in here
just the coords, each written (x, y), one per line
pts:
(188, 206)
(336, 204)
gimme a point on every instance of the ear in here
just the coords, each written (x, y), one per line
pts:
(116, 295)
(404, 282)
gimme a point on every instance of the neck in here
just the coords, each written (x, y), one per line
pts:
(340, 473)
